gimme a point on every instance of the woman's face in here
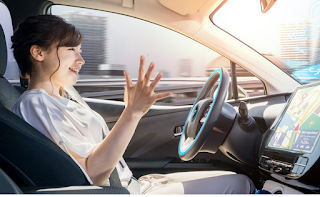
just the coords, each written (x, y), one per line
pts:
(70, 64)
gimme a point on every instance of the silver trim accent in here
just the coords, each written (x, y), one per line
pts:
(299, 164)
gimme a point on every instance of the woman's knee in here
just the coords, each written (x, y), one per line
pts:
(244, 183)
(223, 184)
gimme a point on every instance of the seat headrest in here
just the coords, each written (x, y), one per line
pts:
(8, 63)
(3, 53)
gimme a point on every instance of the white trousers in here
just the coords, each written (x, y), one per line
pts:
(196, 182)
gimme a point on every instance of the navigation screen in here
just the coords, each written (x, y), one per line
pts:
(299, 127)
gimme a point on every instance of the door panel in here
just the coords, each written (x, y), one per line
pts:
(154, 149)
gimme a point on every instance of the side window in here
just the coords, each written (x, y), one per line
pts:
(113, 43)
(248, 84)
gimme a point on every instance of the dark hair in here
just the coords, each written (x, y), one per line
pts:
(44, 31)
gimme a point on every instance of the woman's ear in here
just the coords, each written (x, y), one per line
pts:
(36, 53)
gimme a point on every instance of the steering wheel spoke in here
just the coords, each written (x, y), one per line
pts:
(203, 120)
(187, 144)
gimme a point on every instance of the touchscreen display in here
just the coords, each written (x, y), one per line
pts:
(299, 127)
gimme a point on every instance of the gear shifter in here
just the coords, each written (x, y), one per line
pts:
(243, 111)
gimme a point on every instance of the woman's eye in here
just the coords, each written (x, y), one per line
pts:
(72, 49)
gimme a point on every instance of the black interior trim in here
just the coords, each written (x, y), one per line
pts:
(75, 190)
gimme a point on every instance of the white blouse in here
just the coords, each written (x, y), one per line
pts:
(67, 123)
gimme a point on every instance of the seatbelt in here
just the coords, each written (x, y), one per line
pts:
(114, 176)
(75, 95)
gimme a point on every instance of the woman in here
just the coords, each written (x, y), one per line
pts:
(48, 52)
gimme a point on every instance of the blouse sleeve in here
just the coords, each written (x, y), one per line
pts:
(52, 119)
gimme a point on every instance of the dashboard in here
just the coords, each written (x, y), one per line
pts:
(290, 151)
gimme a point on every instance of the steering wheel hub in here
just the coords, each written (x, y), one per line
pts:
(197, 114)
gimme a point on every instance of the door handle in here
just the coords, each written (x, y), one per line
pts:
(178, 131)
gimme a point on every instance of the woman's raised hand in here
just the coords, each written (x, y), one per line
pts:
(140, 97)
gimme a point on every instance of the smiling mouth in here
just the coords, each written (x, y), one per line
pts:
(76, 71)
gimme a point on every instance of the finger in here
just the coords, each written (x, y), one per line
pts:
(155, 82)
(141, 69)
(149, 73)
(128, 79)
(125, 97)
(162, 95)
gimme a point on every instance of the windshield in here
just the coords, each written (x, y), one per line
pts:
(288, 34)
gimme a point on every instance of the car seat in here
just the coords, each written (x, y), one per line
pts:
(8, 186)
(34, 159)
(26, 155)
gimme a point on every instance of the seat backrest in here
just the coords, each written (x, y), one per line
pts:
(31, 159)
(8, 93)
(27, 156)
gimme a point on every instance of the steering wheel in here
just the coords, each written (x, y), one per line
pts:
(203, 115)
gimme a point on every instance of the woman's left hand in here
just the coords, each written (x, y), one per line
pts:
(140, 97)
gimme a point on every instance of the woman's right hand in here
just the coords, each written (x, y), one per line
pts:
(140, 97)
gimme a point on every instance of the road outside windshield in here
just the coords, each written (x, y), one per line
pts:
(288, 34)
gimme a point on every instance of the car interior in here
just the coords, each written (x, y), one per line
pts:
(238, 141)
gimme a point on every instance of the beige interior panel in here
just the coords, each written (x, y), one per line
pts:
(183, 7)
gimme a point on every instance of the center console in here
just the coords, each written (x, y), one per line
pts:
(290, 151)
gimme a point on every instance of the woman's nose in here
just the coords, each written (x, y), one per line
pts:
(80, 60)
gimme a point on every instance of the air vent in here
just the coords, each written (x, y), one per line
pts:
(233, 157)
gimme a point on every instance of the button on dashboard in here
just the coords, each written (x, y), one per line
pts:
(295, 169)
(304, 161)
(300, 170)
(299, 159)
